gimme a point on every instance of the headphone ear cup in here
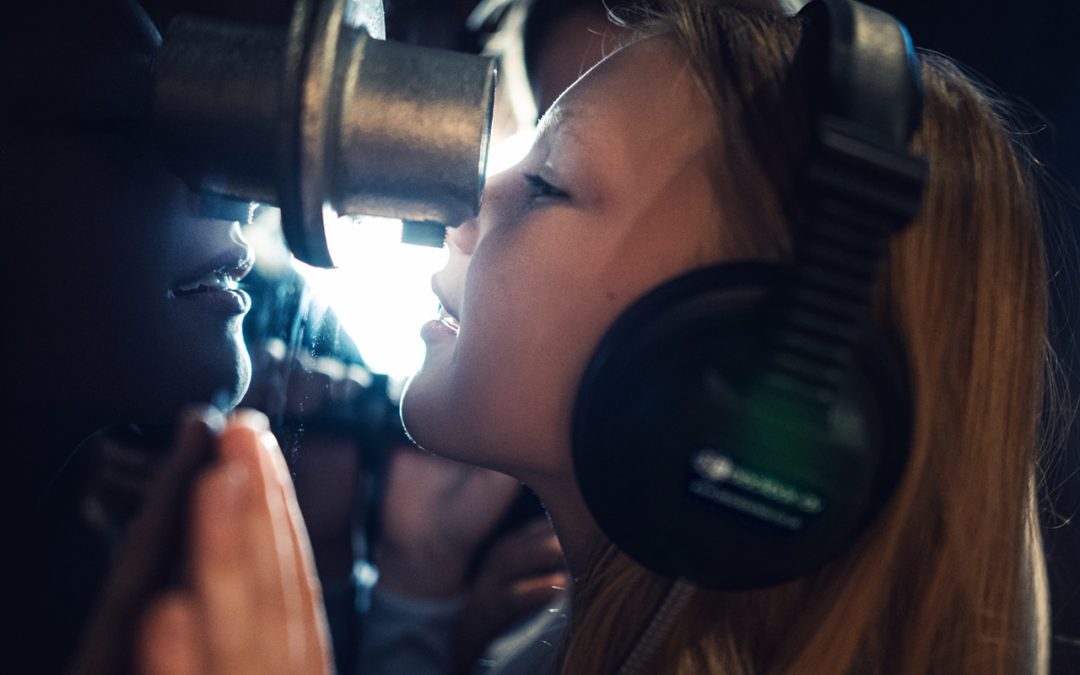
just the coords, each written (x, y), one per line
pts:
(696, 470)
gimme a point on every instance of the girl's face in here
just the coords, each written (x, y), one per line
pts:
(614, 198)
(124, 306)
(116, 325)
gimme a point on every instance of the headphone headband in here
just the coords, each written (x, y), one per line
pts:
(860, 183)
(870, 69)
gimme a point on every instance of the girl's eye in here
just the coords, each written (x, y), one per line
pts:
(538, 187)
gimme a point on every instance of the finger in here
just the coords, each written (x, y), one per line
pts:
(168, 641)
(270, 559)
(220, 567)
(159, 528)
(528, 595)
(312, 611)
(524, 553)
(153, 543)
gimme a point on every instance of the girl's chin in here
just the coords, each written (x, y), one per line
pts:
(415, 414)
(433, 423)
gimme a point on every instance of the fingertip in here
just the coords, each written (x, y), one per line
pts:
(546, 584)
(248, 438)
(250, 417)
(559, 581)
(202, 416)
(248, 431)
(529, 595)
(195, 433)
(240, 441)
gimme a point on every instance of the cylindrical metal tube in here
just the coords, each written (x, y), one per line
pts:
(216, 105)
(412, 133)
(323, 119)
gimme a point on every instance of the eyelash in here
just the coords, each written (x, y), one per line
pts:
(541, 188)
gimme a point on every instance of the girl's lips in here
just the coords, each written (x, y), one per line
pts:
(446, 309)
(231, 302)
(449, 320)
(446, 326)
(213, 286)
(436, 330)
(224, 269)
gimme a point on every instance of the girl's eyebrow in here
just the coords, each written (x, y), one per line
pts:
(565, 121)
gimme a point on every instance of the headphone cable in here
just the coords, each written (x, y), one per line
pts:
(658, 628)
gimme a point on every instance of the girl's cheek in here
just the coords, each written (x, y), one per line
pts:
(452, 277)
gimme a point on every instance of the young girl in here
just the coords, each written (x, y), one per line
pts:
(647, 168)
(681, 150)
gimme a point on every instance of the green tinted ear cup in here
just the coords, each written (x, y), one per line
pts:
(697, 467)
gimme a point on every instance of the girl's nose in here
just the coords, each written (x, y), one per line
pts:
(463, 238)
(498, 192)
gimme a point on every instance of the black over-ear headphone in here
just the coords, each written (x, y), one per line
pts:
(741, 425)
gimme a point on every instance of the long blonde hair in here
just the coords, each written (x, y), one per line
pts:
(942, 583)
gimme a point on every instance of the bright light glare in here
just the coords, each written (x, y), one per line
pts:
(510, 151)
(380, 292)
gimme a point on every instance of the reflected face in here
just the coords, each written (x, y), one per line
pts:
(124, 301)
(111, 316)
(615, 198)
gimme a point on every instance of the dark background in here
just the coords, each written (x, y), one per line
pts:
(1031, 52)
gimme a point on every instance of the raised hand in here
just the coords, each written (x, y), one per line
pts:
(521, 573)
(253, 602)
(435, 513)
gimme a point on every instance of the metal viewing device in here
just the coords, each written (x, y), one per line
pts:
(324, 118)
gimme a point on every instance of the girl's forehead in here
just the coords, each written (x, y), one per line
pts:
(643, 72)
(644, 95)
